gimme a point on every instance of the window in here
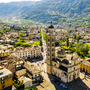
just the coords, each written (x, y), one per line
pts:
(48, 44)
(35, 75)
(52, 39)
(54, 64)
(2, 82)
(48, 49)
(39, 74)
(2, 78)
(52, 54)
(3, 86)
(70, 77)
(48, 39)
(52, 44)
(53, 49)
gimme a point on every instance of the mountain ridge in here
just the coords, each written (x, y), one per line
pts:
(62, 12)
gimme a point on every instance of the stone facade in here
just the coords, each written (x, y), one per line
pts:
(65, 67)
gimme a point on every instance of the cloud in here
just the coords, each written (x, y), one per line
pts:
(7, 1)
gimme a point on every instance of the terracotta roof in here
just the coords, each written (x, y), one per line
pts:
(21, 72)
(30, 67)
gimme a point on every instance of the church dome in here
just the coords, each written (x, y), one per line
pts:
(51, 26)
(65, 61)
(61, 53)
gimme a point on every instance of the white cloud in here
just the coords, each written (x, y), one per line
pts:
(6, 1)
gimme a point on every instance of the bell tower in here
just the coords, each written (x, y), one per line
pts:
(50, 48)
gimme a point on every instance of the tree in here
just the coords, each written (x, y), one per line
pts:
(25, 45)
(74, 36)
(18, 44)
(82, 49)
(67, 41)
(40, 38)
(78, 38)
(56, 43)
(20, 35)
(31, 88)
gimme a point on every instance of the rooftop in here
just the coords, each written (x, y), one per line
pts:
(24, 79)
(21, 72)
(4, 72)
(31, 67)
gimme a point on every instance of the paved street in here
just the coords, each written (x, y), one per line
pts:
(44, 47)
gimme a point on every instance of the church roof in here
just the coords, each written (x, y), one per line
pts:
(65, 61)
(51, 26)
(63, 68)
(56, 60)
(61, 51)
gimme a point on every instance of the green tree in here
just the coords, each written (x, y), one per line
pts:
(56, 43)
(20, 35)
(82, 49)
(40, 38)
(67, 41)
(18, 44)
(77, 39)
(31, 88)
(74, 36)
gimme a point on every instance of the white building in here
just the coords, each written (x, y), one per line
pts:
(31, 52)
(26, 81)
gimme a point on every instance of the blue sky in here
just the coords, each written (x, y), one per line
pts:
(6, 1)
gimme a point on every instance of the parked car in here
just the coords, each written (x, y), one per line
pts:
(64, 86)
(61, 84)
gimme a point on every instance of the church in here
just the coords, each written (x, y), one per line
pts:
(65, 67)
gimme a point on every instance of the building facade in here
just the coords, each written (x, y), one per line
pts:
(85, 66)
(27, 53)
(33, 72)
(4, 54)
(5, 79)
(65, 67)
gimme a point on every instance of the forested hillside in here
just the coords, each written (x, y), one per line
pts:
(70, 12)
(66, 12)
(16, 8)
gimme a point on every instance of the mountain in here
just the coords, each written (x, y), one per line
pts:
(70, 12)
(66, 12)
(16, 8)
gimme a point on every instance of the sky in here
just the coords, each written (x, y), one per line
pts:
(7, 1)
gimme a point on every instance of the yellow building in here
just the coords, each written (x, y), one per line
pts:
(85, 66)
(4, 53)
(5, 79)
